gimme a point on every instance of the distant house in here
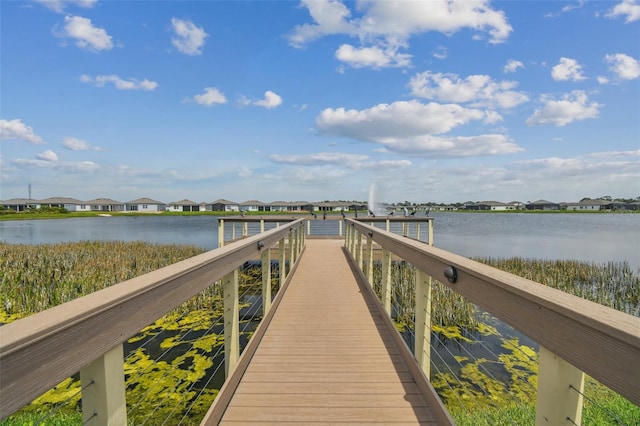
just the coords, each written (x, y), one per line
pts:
(586, 205)
(20, 204)
(222, 205)
(287, 206)
(105, 205)
(70, 204)
(254, 206)
(491, 205)
(542, 205)
(184, 206)
(145, 205)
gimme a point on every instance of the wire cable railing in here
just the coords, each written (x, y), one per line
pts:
(490, 370)
(171, 365)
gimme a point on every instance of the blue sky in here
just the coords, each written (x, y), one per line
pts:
(318, 100)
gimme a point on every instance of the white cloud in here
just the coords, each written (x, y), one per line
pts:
(374, 57)
(567, 69)
(602, 79)
(189, 38)
(567, 8)
(409, 128)
(329, 16)
(512, 66)
(119, 83)
(210, 96)
(271, 100)
(440, 52)
(628, 8)
(479, 90)
(47, 155)
(385, 26)
(339, 159)
(320, 158)
(60, 5)
(572, 107)
(86, 35)
(44, 161)
(623, 65)
(16, 129)
(75, 144)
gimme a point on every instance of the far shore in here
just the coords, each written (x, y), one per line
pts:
(4, 215)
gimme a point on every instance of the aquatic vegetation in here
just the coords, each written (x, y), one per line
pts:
(173, 367)
(612, 284)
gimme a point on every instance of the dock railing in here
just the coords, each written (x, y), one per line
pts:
(575, 336)
(86, 335)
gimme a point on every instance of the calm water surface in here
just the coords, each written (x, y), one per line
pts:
(587, 237)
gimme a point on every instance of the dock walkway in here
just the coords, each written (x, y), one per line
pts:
(327, 357)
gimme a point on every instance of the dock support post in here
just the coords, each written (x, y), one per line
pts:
(231, 321)
(261, 226)
(418, 231)
(387, 225)
(245, 229)
(423, 322)
(430, 232)
(386, 280)
(265, 258)
(557, 402)
(103, 391)
(220, 232)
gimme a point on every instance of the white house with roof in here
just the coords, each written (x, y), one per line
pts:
(254, 206)
(185, 206)
(491, 205)
(20, 204)
(70, 204)
(145, 205)
(105, 205)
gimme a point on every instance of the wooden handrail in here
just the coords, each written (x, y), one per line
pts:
(602, 342)
(39, 351)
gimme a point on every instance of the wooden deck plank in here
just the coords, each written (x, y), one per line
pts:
(327, 357)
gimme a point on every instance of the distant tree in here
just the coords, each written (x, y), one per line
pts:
(585, 199)
(606, 197)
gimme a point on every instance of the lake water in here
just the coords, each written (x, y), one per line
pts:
(588, 237)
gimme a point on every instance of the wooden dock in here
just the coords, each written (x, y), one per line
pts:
(327, 357)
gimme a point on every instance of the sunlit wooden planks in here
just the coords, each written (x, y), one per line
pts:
(326, 357)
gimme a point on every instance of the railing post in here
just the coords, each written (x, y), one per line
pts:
(386, 280)
(340, 228)
(557, 402)
(231, 321)
(422, 350)
(265, 258)
(418, 231)
(103, 391)
(308, 227)
(387, 226)
(291, 253)
(261, 226)
(359, 250)
(220, 232)
(245, 229)
(282, 259)
(369, 271)
(430, 232)
(233, 231)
